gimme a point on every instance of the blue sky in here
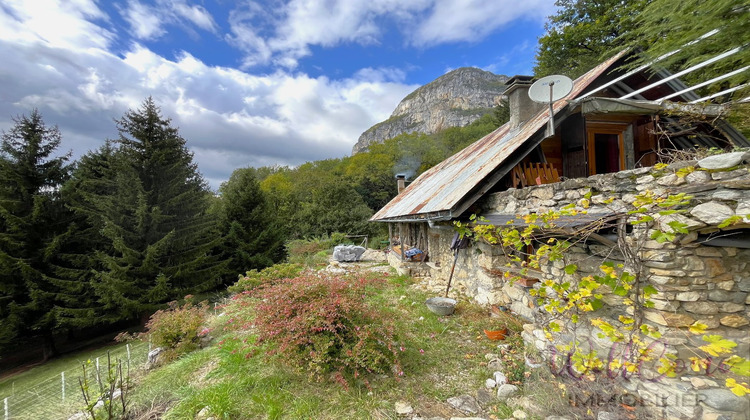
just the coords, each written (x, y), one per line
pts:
(248, 83)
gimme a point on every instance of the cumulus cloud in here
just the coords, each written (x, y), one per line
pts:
(58, 56)
(230, 118)
(285, 34)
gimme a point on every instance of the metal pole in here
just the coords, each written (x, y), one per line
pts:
(7, 416)
(62, 379)
(98, 377)
(127, 347)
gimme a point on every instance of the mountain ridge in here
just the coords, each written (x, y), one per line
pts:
(454, 99)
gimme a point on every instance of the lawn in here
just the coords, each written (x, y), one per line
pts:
(442, 357)
(37, 393)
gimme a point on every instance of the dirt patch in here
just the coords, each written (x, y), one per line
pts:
(200, 379)
(427, 408)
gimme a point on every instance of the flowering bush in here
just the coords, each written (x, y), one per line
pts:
(177, 328)
(255, 278)
(323, 323)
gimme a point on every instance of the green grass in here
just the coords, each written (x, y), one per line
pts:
(37, 393)
(441, 358)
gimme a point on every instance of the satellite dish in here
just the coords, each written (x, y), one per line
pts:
(548, 90)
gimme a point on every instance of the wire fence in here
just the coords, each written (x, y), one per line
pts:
(59, 396)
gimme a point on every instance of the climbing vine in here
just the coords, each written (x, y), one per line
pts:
(572, 301)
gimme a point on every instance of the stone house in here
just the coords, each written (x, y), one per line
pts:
(609, 132)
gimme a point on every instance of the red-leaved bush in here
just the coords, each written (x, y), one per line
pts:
(324, 324)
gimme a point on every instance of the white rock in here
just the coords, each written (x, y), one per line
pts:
(606, 415)
(712, 213)
(723, 161)
(204, 413)
(490, 383)
(506, 391)
(465, 403)
(403, 408)
(500, 378)
(520, 415)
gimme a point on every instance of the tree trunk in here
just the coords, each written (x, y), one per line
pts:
(49, 349)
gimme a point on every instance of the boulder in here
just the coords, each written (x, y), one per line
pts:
(348, 253)
(154, 357)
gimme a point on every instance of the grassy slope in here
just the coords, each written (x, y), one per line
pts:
(261, 386)
(36, 393)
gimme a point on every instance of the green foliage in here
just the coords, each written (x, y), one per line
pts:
(98, 388)
(177, 328)
(323, 325)
(31, 218)
(154, 218)
(330, 195)
(501, 113)
(313, 251)
(567, 297)
(584, 32)
(251, 238)
(663, 26)
(268, 275)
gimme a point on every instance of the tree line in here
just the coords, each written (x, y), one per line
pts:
(111, 237)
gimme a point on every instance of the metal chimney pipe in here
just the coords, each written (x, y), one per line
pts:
(400, 182)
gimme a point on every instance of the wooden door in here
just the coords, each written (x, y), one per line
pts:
(605, 147)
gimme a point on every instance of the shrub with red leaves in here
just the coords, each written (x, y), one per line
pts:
(324, 324)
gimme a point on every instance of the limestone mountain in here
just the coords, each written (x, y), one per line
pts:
(454, 99)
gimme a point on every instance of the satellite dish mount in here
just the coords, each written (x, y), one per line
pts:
(548, 90)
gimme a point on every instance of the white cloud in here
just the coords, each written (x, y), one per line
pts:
(144, 21)
(230, 118)
(59, 23)
(285, 35)
(149, 21)
(471, 20)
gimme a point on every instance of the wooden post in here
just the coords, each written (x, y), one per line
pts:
(62, 379)
(127, 347)
(5, 402)
(98, 376)
(401, 239)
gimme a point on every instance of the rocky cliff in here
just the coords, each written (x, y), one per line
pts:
(455, 99)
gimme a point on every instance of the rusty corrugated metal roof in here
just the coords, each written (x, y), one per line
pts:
(437, 192)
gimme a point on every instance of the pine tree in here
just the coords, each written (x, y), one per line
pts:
(30, 211)
(251, 238)
(74, 261)
(154, 219)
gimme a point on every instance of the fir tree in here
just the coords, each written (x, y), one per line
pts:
(154, 219)
(251, 238)
(74, 261)
(30, 216)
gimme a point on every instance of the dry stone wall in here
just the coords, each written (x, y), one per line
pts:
(695, 281)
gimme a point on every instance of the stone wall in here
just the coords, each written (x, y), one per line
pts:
(695, 281)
